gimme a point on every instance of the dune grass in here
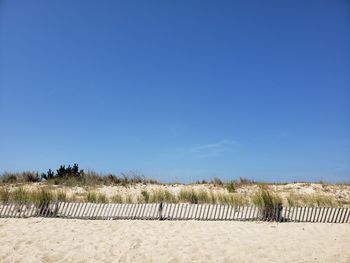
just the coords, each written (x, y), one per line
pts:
(263, 198)
(43, 195)
(117, 199)
(269, 204)
(311, 200)
(21, 195)
(4, 195)
(62, 196)
(94, 197)
(73, 176)
(20, 177)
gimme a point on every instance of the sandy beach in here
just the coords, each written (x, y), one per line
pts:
(62, 240)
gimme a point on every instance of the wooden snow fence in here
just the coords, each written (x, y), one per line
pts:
(167, 211)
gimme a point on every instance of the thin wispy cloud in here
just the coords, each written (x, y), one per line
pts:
(213, 149)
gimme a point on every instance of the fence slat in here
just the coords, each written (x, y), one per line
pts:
(206, 212)
(111, 210)
(175, 210)
(187, 209)
(2, 209)
(138, 211)
(135, 213)
(103, 211)
(83, 211)
(90, 210)
(347, 218)
(190, 211)
(11, 209)
(23, 210)
(291, 214)
(5, 210)
(311, 214)
(126, 211)
(122, 211)
(80, 210)
(132, 210)
(142, 211)
(221, 211)
(341, 215)
(216, 216)
(171, 211)
(338, 215)
(72, 211)
(69, 209)
(115, 211)
(319, 215)
(149, 211)
(326, 215)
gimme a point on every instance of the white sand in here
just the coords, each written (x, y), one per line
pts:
(62, 240)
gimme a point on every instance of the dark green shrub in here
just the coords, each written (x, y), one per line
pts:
(9, 178)
(31, 177)
(216, 181)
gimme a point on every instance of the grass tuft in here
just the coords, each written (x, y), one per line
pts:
(117, 199)
(93, 197)
(20, 195)
(311, 200)
(4, 195)
(231, 186)
(268, 203)
(43, 195)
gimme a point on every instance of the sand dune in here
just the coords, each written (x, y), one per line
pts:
(303, 192)
(61, 240)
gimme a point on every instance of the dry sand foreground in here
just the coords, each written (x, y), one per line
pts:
(62, 240)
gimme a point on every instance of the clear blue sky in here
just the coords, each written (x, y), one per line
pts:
(179, 90)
